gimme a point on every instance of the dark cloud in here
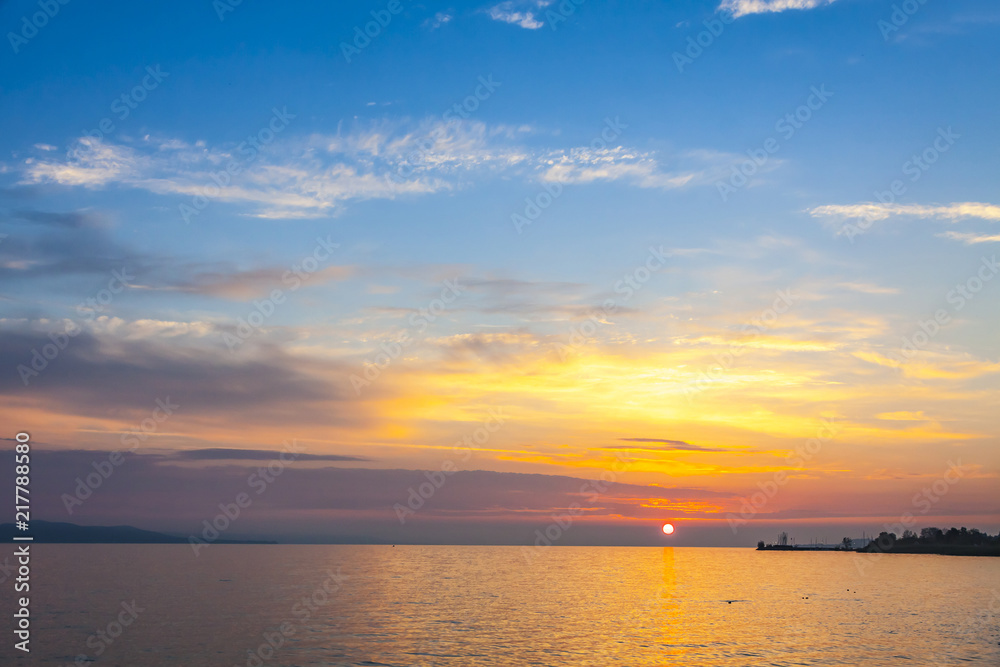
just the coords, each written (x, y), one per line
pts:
(674, 445)
(68, 220)
(305, 502)
(151, 490)
(108, 375)
(221, 454)
(44, 245)
(240, 285)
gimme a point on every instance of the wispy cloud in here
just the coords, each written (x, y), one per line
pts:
(671, 445)
(317, 175)
(87, 246)
(244, 285)
(872, 211)
(868, 288)
(745, 7)
(902, 416)
(92, 164)
(225, 454)
(642, 169)
(970, 238)
(307, 177)
(612, 164)
(519, 13)
(438, 20)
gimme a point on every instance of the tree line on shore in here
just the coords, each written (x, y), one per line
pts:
(932, 539)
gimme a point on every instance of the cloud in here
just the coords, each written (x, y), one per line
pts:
(637, 168)
(51, 244)
(902, 416)
(223, 454)
(66, 220)
(92, 163)
(868, 288)
(84, 245)
(172, 486)
(612, 164)
(305, 177)
(674, 445)
(317, 175)
(740, 8)
(970, 238)
(123, 369)
(438, 20)
(874, 212)
(519, 13)
(245, 285)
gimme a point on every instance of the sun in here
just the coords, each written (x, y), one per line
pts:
(668, 529)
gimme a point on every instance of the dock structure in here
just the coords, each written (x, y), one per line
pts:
(784, 543)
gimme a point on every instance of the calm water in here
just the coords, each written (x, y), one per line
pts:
(488, 606)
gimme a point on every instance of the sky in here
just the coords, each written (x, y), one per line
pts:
(523, 272)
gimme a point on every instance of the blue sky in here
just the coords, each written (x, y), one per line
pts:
(75, 208)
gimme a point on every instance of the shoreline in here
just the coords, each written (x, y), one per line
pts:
(984, 551)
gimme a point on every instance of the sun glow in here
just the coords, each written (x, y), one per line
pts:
(668, 529)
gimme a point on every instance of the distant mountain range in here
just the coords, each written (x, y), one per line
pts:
(70, 533)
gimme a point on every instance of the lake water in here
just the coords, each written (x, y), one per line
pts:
(468, 606)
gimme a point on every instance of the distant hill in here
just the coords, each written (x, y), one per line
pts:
(70, 533)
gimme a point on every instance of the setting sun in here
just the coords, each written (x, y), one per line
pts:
(668, 529)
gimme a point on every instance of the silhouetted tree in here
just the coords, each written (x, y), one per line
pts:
(930, 535)
(885, 541)
(930, 540)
